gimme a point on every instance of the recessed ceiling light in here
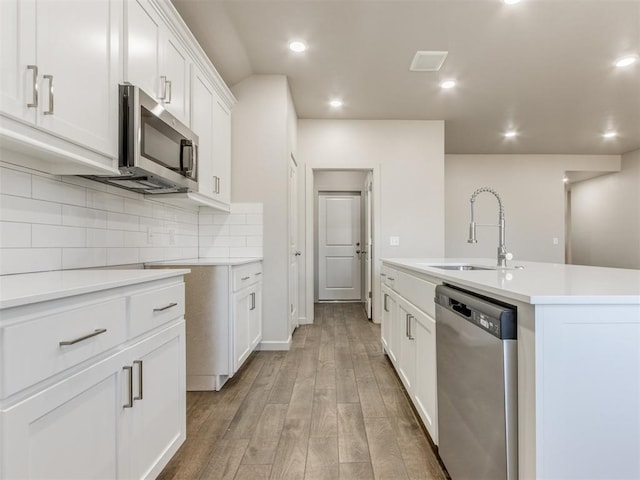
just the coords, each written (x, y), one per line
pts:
(626, 60)
(510, 134)
(297, 46)
(510, 2)
(335, 103)
(448, 84)
(610, 134)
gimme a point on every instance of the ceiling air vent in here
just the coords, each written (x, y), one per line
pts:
(428, 61)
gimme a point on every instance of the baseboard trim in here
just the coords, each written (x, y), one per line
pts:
(271, 346)
(304, 321)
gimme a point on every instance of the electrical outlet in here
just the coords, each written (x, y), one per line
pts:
(394, 241)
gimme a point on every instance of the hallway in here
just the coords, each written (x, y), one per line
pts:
(331, 407)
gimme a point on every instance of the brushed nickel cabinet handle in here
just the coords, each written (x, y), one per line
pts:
(163, 87)
(253, 301)
(410, 331)
(386, 308)
(166, 307)
(259, 273)
(50, 78)
(391, 278)
(140, 382)
(168, 100)
(218, 185)
(130, 403)
(34, 86)
(95, 333)
(245, 278)
(383, 274)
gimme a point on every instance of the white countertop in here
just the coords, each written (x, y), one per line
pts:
(197, 262)
(537, 283)
(27, 288)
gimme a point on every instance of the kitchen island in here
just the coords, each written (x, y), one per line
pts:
(578, 343)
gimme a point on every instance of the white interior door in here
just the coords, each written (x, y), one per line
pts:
(368, 245)
(294, 253)
(339, 241)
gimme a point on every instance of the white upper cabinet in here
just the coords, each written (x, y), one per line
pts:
(156, 59)
(211, 121)
(60, 73)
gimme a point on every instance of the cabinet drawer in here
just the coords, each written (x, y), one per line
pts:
(388, 276)
(246, 275)
(32, 350)
(152, 308)
(418, 291)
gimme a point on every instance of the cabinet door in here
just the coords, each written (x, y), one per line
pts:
(255, 317)
(78, 47)
(159, 408)
(407, 362)
(203, 99)
(396, 329)
(17, 50)
(385, 327)
(176, 70)
(70, 431)
(222, 151)
(242, 302)
(143, 34)
(425, 390)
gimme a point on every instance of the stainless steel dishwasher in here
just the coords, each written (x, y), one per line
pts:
(477, 386)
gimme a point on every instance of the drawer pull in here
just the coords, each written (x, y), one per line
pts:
(96, 332)
(259, 273)
(253, 301)
(130, 383)
(162, 309)
(391, 278)
(245, 278)
(139, 363)
(383, 274)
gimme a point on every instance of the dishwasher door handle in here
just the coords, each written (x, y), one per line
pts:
(460, 308)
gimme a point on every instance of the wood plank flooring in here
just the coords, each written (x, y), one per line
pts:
(330, 408)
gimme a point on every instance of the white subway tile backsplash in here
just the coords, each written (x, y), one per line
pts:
(121, 221)
(15, 235)
(83, 257)
(98, 237)
(213, 252)
(254, 241)
(43, 188)
(214, 230)
(243, 252)
(57, 236)
(246, 230)
(83, 217)
(137, 207)
(230, 219)
(122, 256)
(14, 182)
(254, 219)
(105, 201)
(52, 222)
(27, 210)
(23, 260)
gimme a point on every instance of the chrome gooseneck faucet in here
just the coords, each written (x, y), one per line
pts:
(503, 255)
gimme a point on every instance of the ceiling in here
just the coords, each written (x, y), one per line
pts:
(542, 67)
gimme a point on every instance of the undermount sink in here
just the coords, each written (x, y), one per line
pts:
(459, 266)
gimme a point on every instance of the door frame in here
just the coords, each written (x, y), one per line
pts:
(310, 238)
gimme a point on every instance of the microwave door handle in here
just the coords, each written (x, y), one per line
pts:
(184, 144)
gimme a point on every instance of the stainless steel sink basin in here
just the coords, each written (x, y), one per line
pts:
(459, 266)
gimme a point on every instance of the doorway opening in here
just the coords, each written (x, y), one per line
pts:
(343, 238)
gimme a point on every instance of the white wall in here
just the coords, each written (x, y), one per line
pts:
(533, 195)
(260, 149)
(409, 157)
(605, 217)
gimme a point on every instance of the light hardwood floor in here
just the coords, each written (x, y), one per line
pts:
(330, 408)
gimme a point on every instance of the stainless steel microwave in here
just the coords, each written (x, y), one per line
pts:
(157, 153)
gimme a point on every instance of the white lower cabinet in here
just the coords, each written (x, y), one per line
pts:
(409, 338)
(118, 415)
(247, 322)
